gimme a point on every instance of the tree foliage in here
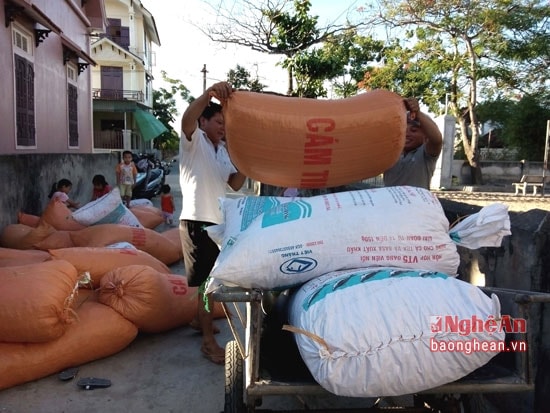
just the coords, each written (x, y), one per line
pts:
(165, 110)
(240, 78)
(522, 124)
(463, 51)
(279, 27)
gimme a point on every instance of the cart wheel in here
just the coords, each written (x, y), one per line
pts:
(234, 379)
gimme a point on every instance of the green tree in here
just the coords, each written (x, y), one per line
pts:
(165, 110)
(280, 27)
(471, 50)
(342, 59)
(240, 78)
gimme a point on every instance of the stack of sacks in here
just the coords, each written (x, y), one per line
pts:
(52, 229)
(166, 246)
(43, 328)
(48, 322)
(387, 256)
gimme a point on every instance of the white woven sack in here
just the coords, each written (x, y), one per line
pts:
(108, 209)
(238, 214)
(374, 327)
(293, 242)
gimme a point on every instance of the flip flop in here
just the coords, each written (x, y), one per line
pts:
(214, 358)
(196, 326)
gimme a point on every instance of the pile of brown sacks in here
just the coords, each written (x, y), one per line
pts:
(67, 299)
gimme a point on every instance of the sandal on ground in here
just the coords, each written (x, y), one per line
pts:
(217, 358)
(195, 325)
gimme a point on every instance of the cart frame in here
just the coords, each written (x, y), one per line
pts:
(245, 387)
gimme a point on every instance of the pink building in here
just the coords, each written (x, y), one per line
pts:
(45, 63)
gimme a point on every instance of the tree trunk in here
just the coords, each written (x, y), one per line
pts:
(290, 82)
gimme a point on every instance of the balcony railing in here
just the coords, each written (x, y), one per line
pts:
(114, 141)
(118, 94)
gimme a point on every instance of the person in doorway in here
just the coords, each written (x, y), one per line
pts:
(126, 173)
(167, 204)
(205, 172)
(101, 187)
(423, 144)
(60, 192)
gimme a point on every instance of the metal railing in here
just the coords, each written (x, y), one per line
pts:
(118, 94)
(114, 141)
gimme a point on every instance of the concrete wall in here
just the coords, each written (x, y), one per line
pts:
(500, 173)
(27, 180)
(522, 262)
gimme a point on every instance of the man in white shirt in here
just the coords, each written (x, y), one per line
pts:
(205, 172)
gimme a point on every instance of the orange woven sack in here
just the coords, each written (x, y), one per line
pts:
(23, 237)
(99, 332)
(314, 143)
(35, 301)
(12, 235)
(28, 219)
(153, 301)
(173, 234)
(59, 216)
(57, 239)
(100, 260)
(148, 216)
(144, 239)
(11, 257)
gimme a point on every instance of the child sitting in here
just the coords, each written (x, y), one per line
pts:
(60, 191)
(101, 187)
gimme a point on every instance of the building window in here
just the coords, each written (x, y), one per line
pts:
(72, 105)
(24, 88)
(118, 33)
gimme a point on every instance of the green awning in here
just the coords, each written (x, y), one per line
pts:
(149, 126)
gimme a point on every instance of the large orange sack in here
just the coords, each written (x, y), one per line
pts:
(314, 143)
(154, 302)
(148, 216)
(173, 234)
(35, 301)
(100, 260)
(59, 216)
(99, 332)
(144, 239)
(13, 234)
(12, 257)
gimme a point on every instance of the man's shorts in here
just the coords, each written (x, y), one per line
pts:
(199, 251)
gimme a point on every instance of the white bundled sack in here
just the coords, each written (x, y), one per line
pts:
(108, 209)
(485, 228)
(239, 213)
(382, 331)
(293, 242)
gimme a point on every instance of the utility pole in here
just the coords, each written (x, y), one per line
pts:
(545, 165)
(204, 72)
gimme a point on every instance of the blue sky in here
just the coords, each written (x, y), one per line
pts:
(185, 49)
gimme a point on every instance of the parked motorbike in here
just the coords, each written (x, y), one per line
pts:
(150, 178)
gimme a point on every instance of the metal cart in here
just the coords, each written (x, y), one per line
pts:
(248, 379)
